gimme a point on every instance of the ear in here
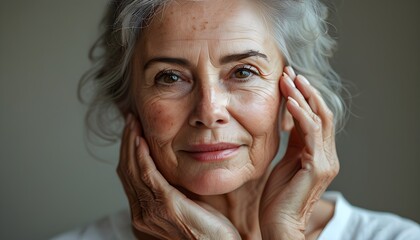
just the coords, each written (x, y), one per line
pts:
(287, 122)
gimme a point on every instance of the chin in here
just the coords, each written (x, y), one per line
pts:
(215, 182)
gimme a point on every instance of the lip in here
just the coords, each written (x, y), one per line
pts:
(212, 152)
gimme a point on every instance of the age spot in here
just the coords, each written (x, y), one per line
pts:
(203, 25)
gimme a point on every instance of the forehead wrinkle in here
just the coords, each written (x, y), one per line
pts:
(211, 36)
(201, 14)
(249, 35)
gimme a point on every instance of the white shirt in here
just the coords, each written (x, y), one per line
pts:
(348, 223)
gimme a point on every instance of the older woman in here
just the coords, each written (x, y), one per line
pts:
(212, 91)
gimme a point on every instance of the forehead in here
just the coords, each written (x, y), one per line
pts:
(213, 21)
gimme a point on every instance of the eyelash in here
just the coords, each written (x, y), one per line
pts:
(167, 73)
(251, 69)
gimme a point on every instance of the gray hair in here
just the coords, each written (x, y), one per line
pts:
(299, 27)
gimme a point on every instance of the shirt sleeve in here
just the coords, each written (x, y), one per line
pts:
(353, 223)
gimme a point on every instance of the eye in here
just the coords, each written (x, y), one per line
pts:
(244, 72)
(168, 77)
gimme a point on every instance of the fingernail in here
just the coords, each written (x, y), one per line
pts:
(128, 119)
(304, 80)
(293, 101)
(137, 141)
(289, 80)
(291, 70)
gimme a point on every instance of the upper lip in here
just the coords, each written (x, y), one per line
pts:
(210, 147)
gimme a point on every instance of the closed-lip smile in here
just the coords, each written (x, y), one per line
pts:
(212, 152)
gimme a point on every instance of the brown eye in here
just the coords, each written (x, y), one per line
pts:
(243, 73)
(167, 78)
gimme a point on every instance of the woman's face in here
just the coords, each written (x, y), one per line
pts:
(205, 82)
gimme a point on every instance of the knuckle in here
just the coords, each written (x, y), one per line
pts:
(317, 126)
(119, 174)
(137, 220)
(146, 176)
(329, 115)
(330, 173)
(336, 168)
(129, 172)
(140, 225)
(325, 172)
(317, 119)
(118, 169)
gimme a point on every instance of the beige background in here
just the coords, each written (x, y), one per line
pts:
(50, 184)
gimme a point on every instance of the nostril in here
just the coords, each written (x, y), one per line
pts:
(199, 123)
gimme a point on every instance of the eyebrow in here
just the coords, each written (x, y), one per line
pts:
(223, 60)
(178, 61)
(240, 56)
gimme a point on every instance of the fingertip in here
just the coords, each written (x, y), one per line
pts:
(290, 72)
(304, 86)
(288, 80)
(303, 79)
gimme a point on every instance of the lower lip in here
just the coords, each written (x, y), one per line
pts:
(214, 156)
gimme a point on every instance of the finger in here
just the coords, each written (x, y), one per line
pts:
(317, 104)
(128, 169)
(289, 71)
(289, 90)
(305, 121)
(150, 176)
(124, 136)
(306, 124)
(127, 153)
(322, 164)
(125, 166)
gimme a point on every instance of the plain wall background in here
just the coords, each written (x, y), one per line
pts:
(50, 184)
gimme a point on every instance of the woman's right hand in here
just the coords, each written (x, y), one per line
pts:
(157, 208)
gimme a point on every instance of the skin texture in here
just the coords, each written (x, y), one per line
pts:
(208, 104)
(187, 91)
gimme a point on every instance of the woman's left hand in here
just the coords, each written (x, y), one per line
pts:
(308, 167)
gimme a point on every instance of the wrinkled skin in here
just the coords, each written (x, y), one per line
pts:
(208, 103)
(190, 87)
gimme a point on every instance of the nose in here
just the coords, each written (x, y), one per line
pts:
(210, 108)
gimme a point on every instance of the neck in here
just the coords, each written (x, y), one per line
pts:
(240, 206)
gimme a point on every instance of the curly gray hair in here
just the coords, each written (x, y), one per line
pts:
(299, 27)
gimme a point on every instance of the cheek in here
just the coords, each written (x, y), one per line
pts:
(257, 112)
(161, 121)
(256, 109)
(158, 119)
